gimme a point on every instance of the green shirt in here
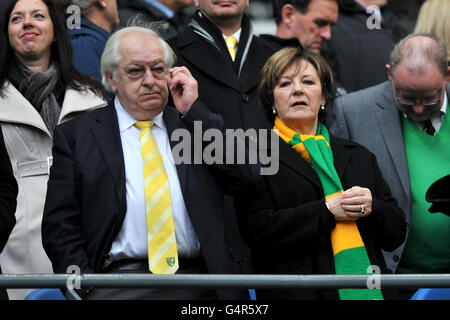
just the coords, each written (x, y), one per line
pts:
(427, 249)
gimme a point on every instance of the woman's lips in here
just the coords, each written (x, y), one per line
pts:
(298, 103)
(29, 35)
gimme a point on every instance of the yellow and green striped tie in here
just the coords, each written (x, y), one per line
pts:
(162, 244)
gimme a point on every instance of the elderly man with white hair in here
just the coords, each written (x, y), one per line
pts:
(98, 19)
(117, 202)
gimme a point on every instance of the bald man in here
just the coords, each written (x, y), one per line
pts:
(404, 122)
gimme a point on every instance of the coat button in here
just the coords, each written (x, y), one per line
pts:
(245, 98)
(396, 258)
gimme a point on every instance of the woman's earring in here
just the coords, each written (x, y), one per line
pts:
(322, 105)
(274, 111)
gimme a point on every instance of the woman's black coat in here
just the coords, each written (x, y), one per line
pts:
(287, 225)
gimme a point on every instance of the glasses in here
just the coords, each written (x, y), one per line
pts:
(137, 72)
(408, 104)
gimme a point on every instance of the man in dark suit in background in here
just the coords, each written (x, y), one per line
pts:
(170, 14)
(362, 39)
(8, 202)
(305, 24)
(227, 81)
(101, 188)
(307, 21)
(225, 57)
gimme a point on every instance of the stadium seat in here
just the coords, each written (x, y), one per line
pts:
(45, 294)
(432, 294)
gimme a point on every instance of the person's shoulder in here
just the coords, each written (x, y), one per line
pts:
(269, 43)
(365, 96)
(87, 30)
(354, 148)
(182, 39)
(84, 119)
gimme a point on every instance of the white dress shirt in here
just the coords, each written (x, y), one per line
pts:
(237, 35)
(131, 242)
(438, 117)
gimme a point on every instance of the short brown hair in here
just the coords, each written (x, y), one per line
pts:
(282, 60)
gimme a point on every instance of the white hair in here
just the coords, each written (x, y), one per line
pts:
(111, 57)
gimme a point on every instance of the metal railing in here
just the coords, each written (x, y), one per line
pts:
(223, 281)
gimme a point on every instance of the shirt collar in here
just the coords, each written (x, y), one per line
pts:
(444, 104)
(126, 121)
(237, 35)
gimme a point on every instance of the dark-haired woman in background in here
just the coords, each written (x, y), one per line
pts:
(327, 210)
(39, 88)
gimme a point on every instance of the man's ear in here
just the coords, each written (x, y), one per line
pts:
(388, 71)
(287, 14)
(447, 77)
(111, 81)
(101, 3)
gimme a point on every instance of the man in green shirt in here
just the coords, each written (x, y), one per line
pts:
(405, 123)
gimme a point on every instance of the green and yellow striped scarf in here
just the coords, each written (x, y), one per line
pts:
(350, 256)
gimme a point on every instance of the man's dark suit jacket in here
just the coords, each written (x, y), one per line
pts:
(166, 28)
(86, 202)
(8, 202)
(361, 51)
(228, 88)
(288, 226)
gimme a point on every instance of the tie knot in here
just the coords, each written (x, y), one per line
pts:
(231, 42)
(143, 124)
(428, 128)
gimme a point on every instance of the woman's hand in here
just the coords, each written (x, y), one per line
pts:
(357, 202)
(351, 204)
(335, 207)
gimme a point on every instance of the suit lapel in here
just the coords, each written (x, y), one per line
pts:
(172, 120)
(16, 108)
(447, 90)
(256, 58)
(193, 48)
(294, 160)
(105, 129)
(341, 156)
(388, 118)
(78, 101)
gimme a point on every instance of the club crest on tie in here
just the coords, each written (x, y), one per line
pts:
(170, 261)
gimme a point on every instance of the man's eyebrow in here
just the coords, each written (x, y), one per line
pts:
(140, 63)
(324, 21)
